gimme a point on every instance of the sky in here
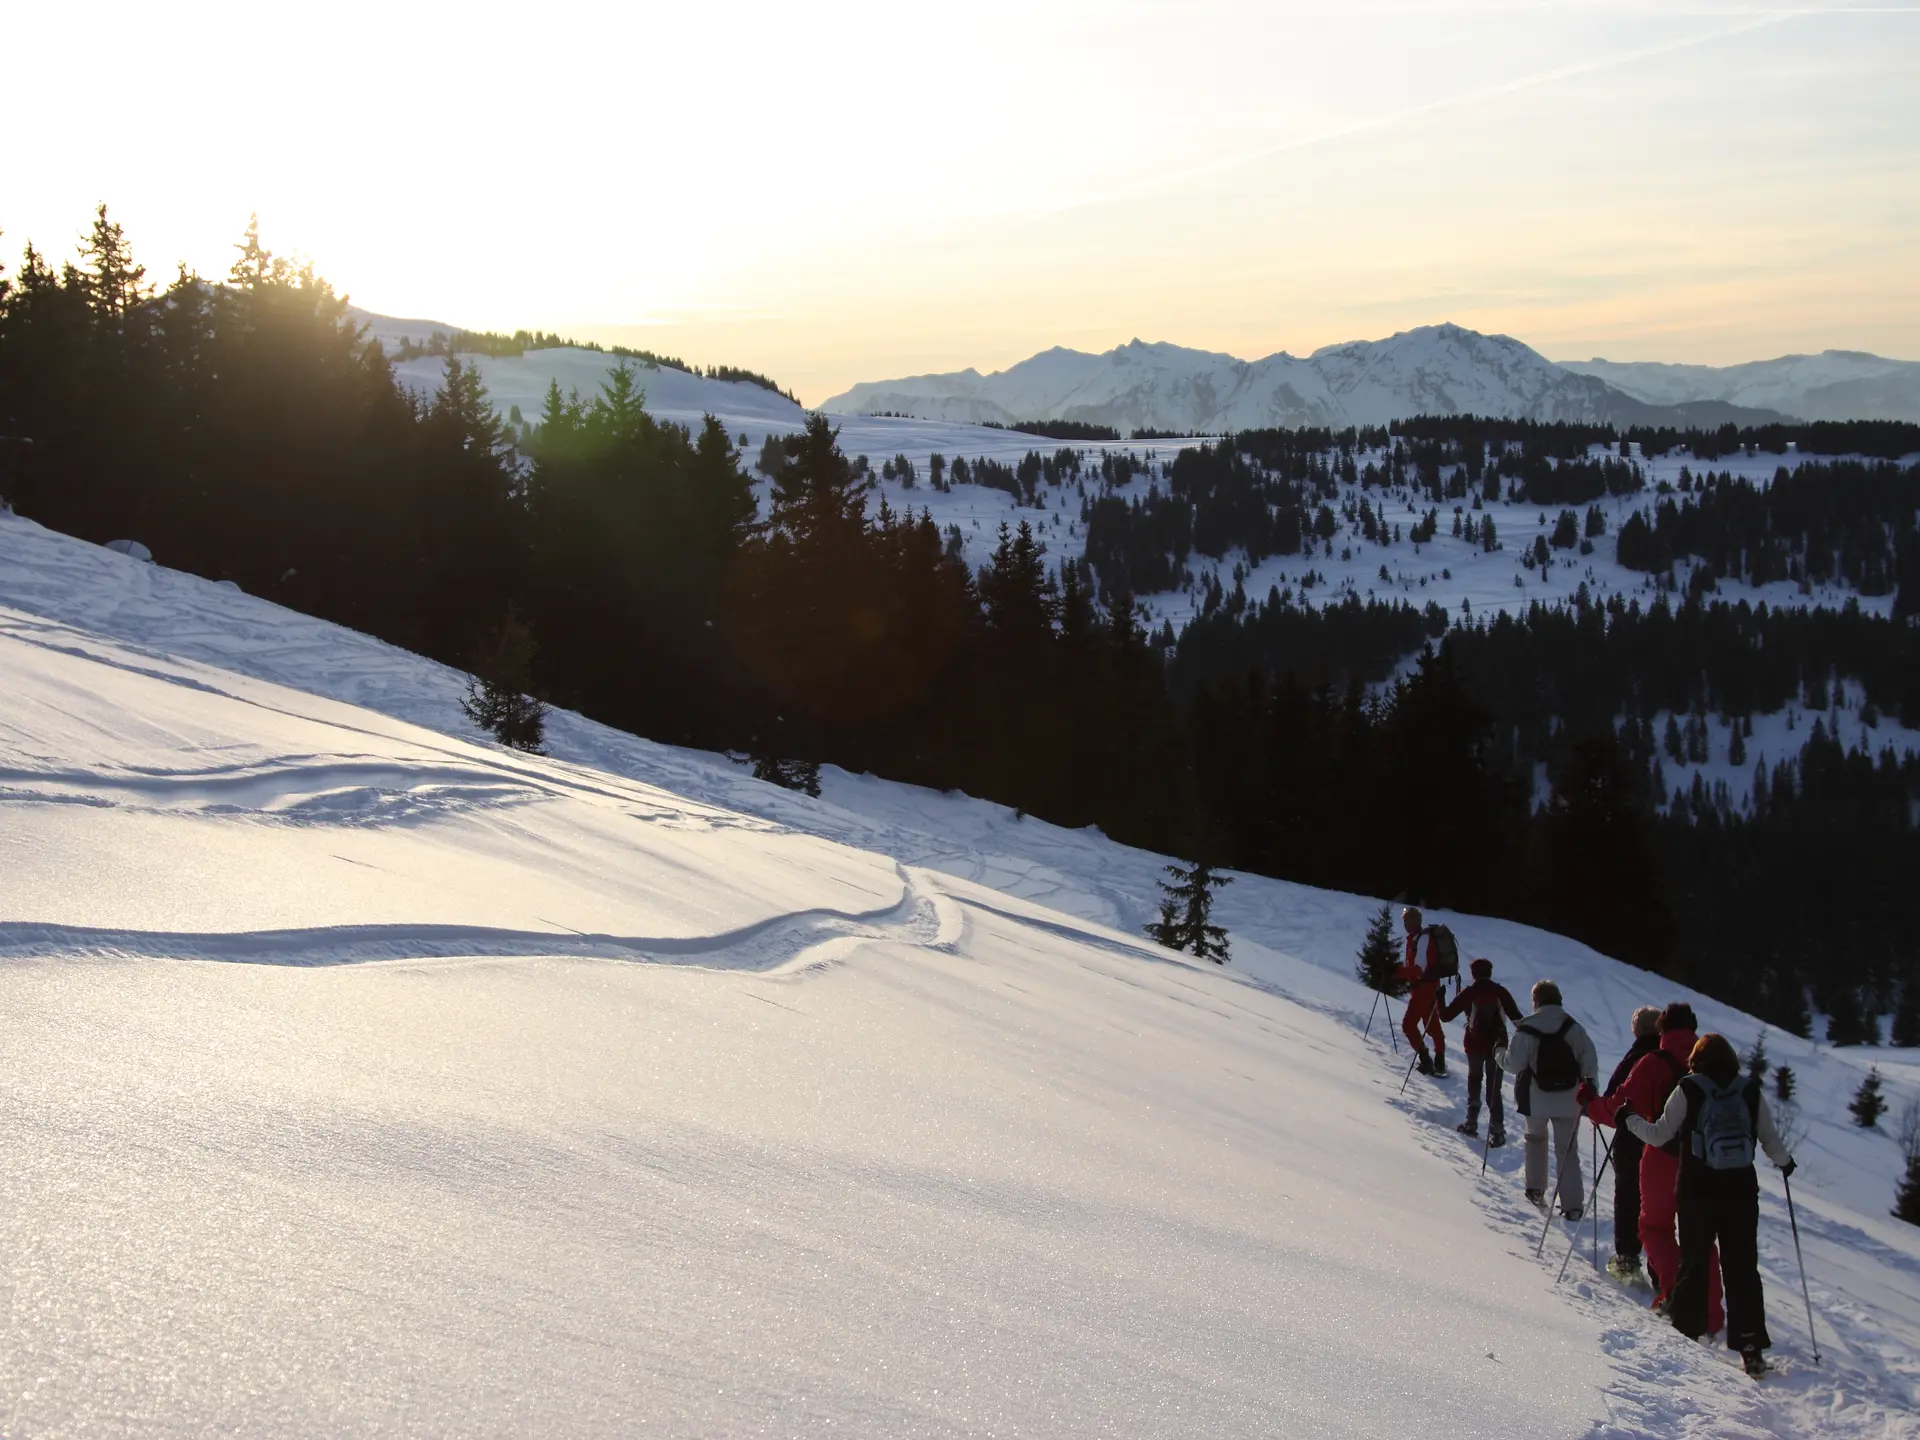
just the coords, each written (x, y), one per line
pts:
(846, 190)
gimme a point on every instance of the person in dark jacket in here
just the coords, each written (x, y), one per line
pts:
(1487, 1007)
(1625, 1265)
(1719, 1119)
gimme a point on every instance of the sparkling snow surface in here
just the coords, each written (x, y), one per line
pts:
(364, 1078)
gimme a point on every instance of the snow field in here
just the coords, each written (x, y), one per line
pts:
(909, 1134)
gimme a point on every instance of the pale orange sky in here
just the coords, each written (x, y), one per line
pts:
(850, 191)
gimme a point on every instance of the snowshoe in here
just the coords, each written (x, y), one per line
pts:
(1755, 1363)
(1425, 1062)
(1660, 1306)
(1440, 1067)
(1573, 1213)
(1496, 1137)
(1468, 1129)
(1537, 1199)
(1626, 1270)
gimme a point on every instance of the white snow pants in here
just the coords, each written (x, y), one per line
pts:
(1566, 1130)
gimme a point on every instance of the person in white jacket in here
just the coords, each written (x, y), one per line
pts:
(1717, 1118)
(1551, 1053)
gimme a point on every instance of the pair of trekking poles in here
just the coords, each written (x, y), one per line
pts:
(1600, 1171)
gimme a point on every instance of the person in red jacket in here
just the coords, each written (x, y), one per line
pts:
(1423, 1000)
(1487, 1007)
(1644, 1093)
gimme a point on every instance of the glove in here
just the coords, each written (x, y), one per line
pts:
(1620, 1115)
(1586, 1094)
(1786, 1170)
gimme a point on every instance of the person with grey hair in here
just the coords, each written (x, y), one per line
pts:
(1552, 1054)
(1625, 1264)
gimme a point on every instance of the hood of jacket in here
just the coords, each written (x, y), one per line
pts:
(1678, 1044)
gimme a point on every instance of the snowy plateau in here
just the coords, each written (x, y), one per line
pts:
(363, 1078)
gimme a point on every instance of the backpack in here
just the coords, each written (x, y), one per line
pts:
(1443, 955)
(1723, 1123)
(1555, 1066)
(1487, 1023)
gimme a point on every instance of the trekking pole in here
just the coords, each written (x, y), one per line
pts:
(1367, 1034)
(1595, 1201)
(1392, 1043)
(1405, 1079)
(1596, 1210)
(1572, 1155)
(1486, 1150)
(1802, 1260)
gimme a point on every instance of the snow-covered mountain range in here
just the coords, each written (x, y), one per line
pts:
(1435, 369)
(1833, 385)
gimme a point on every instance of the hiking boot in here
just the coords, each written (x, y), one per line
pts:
(1537, 1199)
(1660, 1306)
(1755, 1363)
(1468, 1129)
(1496, 1137)
(1440, 1066)
(1626, 1269)
(1425, 1062)
(1573, 1213)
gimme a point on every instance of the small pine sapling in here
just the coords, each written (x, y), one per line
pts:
(1868, 1103)
(1186, 910)
(1757, 1062)
(1379, 956)
(497, 698)
(1783, 1084)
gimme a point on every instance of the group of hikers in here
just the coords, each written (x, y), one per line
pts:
(1687, 1126)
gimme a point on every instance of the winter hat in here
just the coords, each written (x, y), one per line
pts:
(1678, 1016)
(1482, 969)
(1646, 1021)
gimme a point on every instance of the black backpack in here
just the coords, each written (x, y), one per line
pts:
(1443, 954)
(1555, 1066)
(1488, 1023)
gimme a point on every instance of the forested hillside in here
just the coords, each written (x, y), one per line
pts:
(1544, 762)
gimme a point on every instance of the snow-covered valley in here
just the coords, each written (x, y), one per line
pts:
(367, 1078)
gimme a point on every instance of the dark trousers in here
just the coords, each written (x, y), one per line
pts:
(1626, 1193)
(1479, 1064)
(1720, 1206)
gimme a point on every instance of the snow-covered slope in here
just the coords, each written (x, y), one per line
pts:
(1833, 385)
(1432, 370)
(675, 1101)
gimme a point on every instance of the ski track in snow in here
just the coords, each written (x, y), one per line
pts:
(146, 725)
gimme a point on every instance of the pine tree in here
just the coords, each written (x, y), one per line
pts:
(1906, 1016)
(1186, 909)
(1757, 1062)
(497, 693)
(1906, 1199)
(1379, 956)
(1845, 1023)
(1783, 1084)
(1868, 1103)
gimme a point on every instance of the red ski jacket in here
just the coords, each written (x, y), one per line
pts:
(1649, 1082)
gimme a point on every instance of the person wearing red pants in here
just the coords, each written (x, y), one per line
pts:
(1423, 1000)
(1644, 1093)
